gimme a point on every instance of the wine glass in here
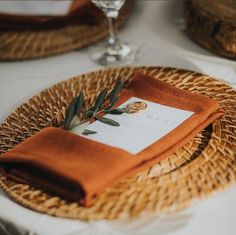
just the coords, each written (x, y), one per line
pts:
(114, 51)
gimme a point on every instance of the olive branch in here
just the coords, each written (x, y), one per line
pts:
(80, 117)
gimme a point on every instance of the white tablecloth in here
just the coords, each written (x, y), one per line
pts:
(157, 28)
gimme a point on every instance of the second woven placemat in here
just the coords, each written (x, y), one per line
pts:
(26, 44)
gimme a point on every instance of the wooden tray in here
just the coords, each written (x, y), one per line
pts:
(212, 24)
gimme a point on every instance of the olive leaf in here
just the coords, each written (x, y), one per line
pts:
(116, 111)
(107, 121)
(69, 114)
(100, 100)
(89, 132)
(115, 91)
(79, 103)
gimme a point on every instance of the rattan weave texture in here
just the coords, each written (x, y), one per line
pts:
(204, 165)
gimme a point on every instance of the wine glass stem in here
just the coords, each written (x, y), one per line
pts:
(112, 39)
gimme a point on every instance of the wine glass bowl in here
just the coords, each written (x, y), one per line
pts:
(114, 51)
(109, 7)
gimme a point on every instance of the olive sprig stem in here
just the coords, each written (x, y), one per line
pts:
(79, 117)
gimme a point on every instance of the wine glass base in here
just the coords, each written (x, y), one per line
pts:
(116, 55)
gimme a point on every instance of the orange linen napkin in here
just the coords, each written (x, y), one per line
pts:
(79, 169)
(81, 11)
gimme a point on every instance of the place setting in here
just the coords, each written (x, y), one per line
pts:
(27, 32)
(123, 143)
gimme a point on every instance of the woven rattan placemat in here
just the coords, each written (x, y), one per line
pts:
(21, 45)
(204, 165)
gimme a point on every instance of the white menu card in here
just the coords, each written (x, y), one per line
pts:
(138, 131)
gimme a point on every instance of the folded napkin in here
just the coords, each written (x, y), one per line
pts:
(77, 168)
(80, 11)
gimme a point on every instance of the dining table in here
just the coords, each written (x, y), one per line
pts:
(157, 28)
